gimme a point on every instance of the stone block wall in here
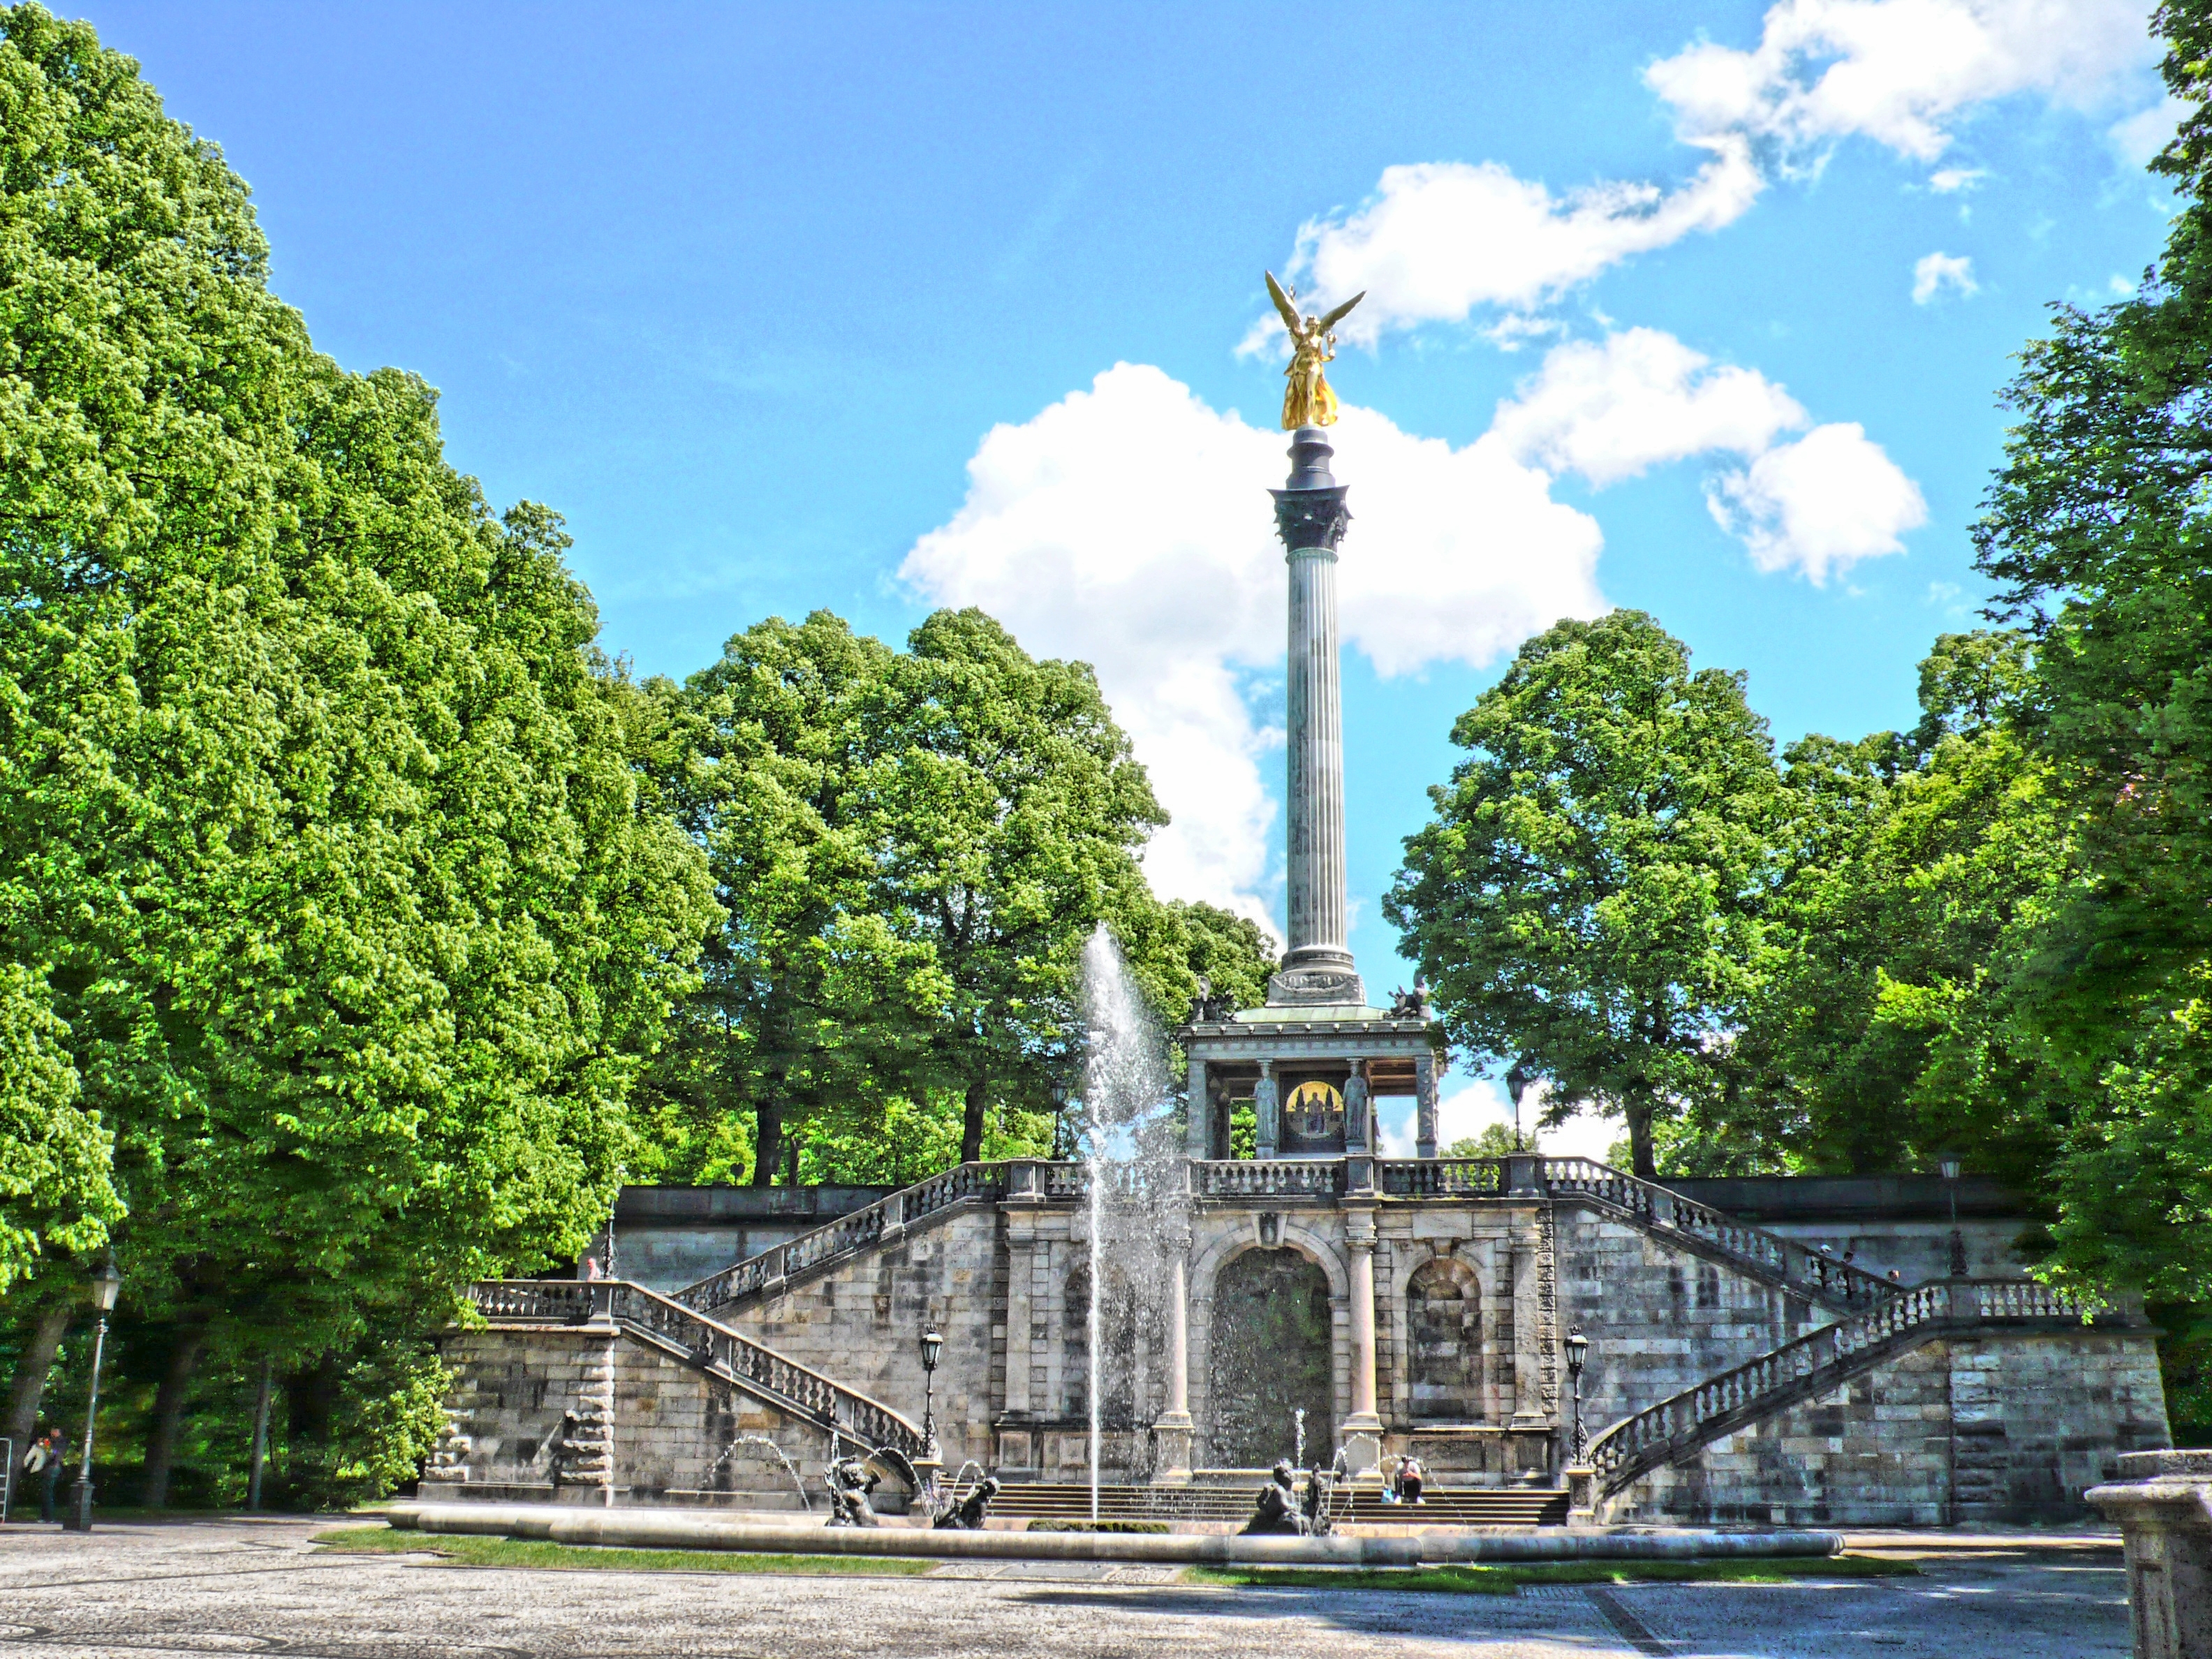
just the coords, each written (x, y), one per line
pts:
(2010, 1428)
(673, 1436)
(1660, 1317)
(861, 1322)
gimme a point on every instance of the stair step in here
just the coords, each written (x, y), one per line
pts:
(1465, 1506)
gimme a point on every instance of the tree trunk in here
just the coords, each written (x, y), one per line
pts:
(971, 1120)
(767, 1141)
(168, 1409)
(30, 1374)
(1643, 1164)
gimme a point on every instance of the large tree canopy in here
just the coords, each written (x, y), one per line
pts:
(327, 888)
(1587, 901)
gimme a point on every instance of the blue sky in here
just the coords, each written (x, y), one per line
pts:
(810, 306)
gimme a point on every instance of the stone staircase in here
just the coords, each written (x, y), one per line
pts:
(703, 1343)
(1463, 1506)
(1683, 1424)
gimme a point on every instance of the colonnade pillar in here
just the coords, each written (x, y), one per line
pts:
(1363, 1430)
(1173, 1434)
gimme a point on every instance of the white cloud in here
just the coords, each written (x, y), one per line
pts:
(1934, 272)
(1944, 180)
(1439, 241)
(2140, 137)
(1610, 410)
(1818, 505)
(1441, 238)
(1903, 72)
(1175, 590)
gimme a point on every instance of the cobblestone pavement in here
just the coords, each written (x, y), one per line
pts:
(242, 1587)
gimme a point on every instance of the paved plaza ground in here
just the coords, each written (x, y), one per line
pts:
(259, 1586)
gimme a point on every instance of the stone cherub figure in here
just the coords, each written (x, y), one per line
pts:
(1277, 1509)
(850, 1481)
(968, 1515)
(1308, 401)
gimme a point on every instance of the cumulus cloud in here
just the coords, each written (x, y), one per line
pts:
(1610, 410)
(1439, 241)
(1175, 592)
(1820, 504)
(1902, 72)
(1946, 180)
(1932, 273)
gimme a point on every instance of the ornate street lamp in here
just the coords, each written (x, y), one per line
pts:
(1950, 1168)
(1577, 1346)
(932, 1343)
(1062, 1143)
(106, 1282)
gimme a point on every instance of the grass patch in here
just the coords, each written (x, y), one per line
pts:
(1100, 1525)
(470, 1549)
(1502, 1580)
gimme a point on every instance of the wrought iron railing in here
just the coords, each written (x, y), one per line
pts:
(713, 1346)
(845, 1237)
(1812, 1364)
(1836, 1285)
(1284, 1177)
(1444, 1177)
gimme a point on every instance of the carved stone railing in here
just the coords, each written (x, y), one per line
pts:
(1282, 1177)
(1444, 1177)
(1835, 1285)
(1814, 1364)
(846, 1236)
(706, 1343)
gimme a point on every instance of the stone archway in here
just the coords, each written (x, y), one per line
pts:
(1268, 1354)
(1443, 1339)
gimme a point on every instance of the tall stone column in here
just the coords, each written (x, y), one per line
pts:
(1310, 516)
(1363, 1430)
(1173, 1434)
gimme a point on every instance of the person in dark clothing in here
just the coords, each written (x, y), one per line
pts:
(48, 1456)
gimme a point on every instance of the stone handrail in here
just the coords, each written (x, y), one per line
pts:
(1835, 1285)
(1286, 1177)
(711, 1346)
(1444, 1177)
(847, 1235)
(1814, 1365)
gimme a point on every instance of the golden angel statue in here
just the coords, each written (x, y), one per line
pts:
(1308, 400)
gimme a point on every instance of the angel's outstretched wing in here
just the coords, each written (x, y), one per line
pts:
(1283, 304)
(1341, 311)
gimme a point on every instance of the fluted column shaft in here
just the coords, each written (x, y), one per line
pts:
(1316, 761)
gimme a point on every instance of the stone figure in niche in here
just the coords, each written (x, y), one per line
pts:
(968, 1515)
(1277, 1511)
(850, 1481)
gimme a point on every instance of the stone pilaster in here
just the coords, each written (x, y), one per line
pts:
(1173, 1435)
(1424, 1109)
(1198, 1130)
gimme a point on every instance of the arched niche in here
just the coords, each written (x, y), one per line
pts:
(1269, 1353)
(1443, 1342)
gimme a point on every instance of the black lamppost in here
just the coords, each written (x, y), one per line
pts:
(931, 1345)
(1577, 1347)
(105, 1281)
(1950, 1168)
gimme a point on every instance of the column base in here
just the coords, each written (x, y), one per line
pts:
(1362, 1434)
(1581, 1495)
(1173, 1437)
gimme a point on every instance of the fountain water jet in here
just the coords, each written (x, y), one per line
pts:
(1132, 1155)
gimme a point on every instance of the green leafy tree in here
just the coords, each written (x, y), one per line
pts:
(2097, 533)
(1588, 900)
(1229, 952)
(321, 825)
(1014, 816)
